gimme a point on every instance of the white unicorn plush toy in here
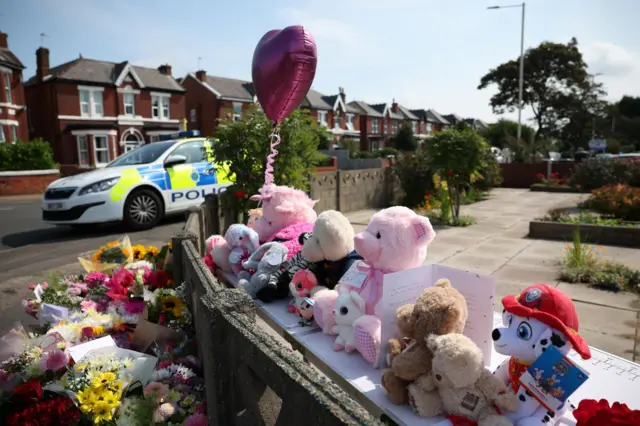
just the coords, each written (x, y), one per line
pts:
(348, 308)
(537, 318)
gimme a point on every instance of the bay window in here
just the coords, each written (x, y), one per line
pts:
(160, 106)
(101, 149)
(322, 118)
(83, 150)
(7, 88)
(375, 126)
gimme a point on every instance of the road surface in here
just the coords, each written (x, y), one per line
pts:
(29, 248)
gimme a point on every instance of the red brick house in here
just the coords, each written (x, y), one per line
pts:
(345, 118)
(392, 119)
(13, 110)
(209, 98)
(92, 111)
(371, 125)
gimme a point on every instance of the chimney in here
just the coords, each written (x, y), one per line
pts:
(3, 40)
(165, 69)
(201, 75)
(394, 106)
(342, 95)
(42, 61)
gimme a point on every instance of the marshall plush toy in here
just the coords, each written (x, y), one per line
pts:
(540, 317)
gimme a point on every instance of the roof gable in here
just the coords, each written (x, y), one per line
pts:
(364, 108)
(407, 113)
(8, 59)
(126, 69)
(315, 100)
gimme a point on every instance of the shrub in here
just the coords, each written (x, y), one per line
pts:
(599, 172)
(490, 171)
(554, 179)
(415, 176)
(384, 152)
(34, 155)
(405, 140)
(325, 161)
(364, 154)
(621, 201)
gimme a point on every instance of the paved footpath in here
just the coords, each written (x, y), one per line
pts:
(498, 245)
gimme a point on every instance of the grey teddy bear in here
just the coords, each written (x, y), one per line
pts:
(266, 260)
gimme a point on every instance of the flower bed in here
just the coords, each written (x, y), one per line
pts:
(115, 347)
(541, 187)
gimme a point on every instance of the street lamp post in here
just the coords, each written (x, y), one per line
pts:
(521, 78)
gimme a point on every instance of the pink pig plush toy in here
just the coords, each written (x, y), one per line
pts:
(286, 213)
(395, 239)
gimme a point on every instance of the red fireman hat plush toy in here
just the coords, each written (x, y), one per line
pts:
(551, 307)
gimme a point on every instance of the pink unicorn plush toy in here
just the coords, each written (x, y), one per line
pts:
(395, 239)
(286, 213)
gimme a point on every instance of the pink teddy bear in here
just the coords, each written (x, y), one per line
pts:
(395, 239)
(286, 213)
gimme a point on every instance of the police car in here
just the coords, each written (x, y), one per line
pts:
(139, 187)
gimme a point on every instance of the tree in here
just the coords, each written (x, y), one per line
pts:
(245, 144)
(498, 134)
(404, 140)
(457, 156)
(551, 71)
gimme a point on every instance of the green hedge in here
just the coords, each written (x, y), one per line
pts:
(598, 172)
(34, 155)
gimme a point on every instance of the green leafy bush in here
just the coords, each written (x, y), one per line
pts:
(325, 161)
(385, 152)
(244, 145)
(34, 155)
(415, 176)
(598, 172)
(620, 201)
(490, 171)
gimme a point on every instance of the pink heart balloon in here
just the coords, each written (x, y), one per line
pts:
(283, 68)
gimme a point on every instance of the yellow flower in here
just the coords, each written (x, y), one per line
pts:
(85, 398)
(153, 250)
(139, 251)
(170, 245)
(436, 180)
(102, 412)
(103, 379)
(97, 254)
(113, 244)
(126, 252)
(115, 387)
(99, 330)
(172, 304)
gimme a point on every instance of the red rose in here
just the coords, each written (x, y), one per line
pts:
(87, 332)
(240, 194)
(29, 390)
(124, 278)
(449, 172)
(157, 279)
(599, 413)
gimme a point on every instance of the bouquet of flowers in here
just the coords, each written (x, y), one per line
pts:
(109, 256)
(168, 308)
(175, 395)
(91, 324)
(67, 292)
(30, 405)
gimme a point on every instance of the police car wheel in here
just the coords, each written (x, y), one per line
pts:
(143, 210)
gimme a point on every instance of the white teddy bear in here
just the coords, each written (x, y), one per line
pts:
(348, 308)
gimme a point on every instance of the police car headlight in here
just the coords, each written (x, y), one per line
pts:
(100, 186)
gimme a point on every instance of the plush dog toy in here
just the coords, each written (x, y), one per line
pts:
(266, 260)
(348, 308)
(395, 239)
(539, 317)
(440, 309)
(459, 386)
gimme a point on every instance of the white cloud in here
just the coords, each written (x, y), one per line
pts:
(618, 68)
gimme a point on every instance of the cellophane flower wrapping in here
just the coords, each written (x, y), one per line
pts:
(109, 257)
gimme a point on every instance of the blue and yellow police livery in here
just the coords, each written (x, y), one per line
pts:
(141, 186)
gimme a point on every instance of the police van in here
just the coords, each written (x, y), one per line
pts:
(139, 187)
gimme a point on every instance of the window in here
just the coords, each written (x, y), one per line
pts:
(375, 126)
(413, 126)
(192, 115)
(237, 111)
(131, 142)
(429, 127)
(129, 105)
(160, 106)
(91, 103)
(101, 148)
(7, 88)
(194, 151)
(2, 138)
(322, 118)
(350, 125)
(336, 121)
(154, 138)
(144, 155)
(83, 150)
(374, 145)
(14, 133)
(394, 126)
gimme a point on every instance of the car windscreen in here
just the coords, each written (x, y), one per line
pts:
(144, 155)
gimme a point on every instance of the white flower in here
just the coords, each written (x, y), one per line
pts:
(140, 264)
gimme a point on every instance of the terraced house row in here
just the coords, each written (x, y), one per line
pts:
(92, 111)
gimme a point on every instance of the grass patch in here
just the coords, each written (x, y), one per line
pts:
(562, 216)
(462, 221)
(582, 265)
(471, 196)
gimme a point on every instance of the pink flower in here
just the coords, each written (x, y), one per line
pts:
(134, 306)
(88, 304)
(81, 286)
(44, 285)
(123, 277)
(164, 412)
(54, 360)
(74, 291)
(197, 419)
(156, 390)
(32, 287)
(95, 279)
(201, 408)
(163, 364)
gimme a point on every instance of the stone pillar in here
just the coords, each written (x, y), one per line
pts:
(178, 256)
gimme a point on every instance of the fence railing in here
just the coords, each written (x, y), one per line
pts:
(251, 379)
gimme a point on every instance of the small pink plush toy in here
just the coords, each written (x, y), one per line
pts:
(303, 284)
(254, 214)
(286, 213)
(395, 239)
(220, 252)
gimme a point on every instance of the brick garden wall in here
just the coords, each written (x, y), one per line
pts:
(524, 175)
(25, 183)
(354, 190)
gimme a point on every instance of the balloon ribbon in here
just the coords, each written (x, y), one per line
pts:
(275, 141)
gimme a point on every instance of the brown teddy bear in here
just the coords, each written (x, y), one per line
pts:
(459, 386)
(438, 310)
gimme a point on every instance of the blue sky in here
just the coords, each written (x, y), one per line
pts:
(423, 53)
